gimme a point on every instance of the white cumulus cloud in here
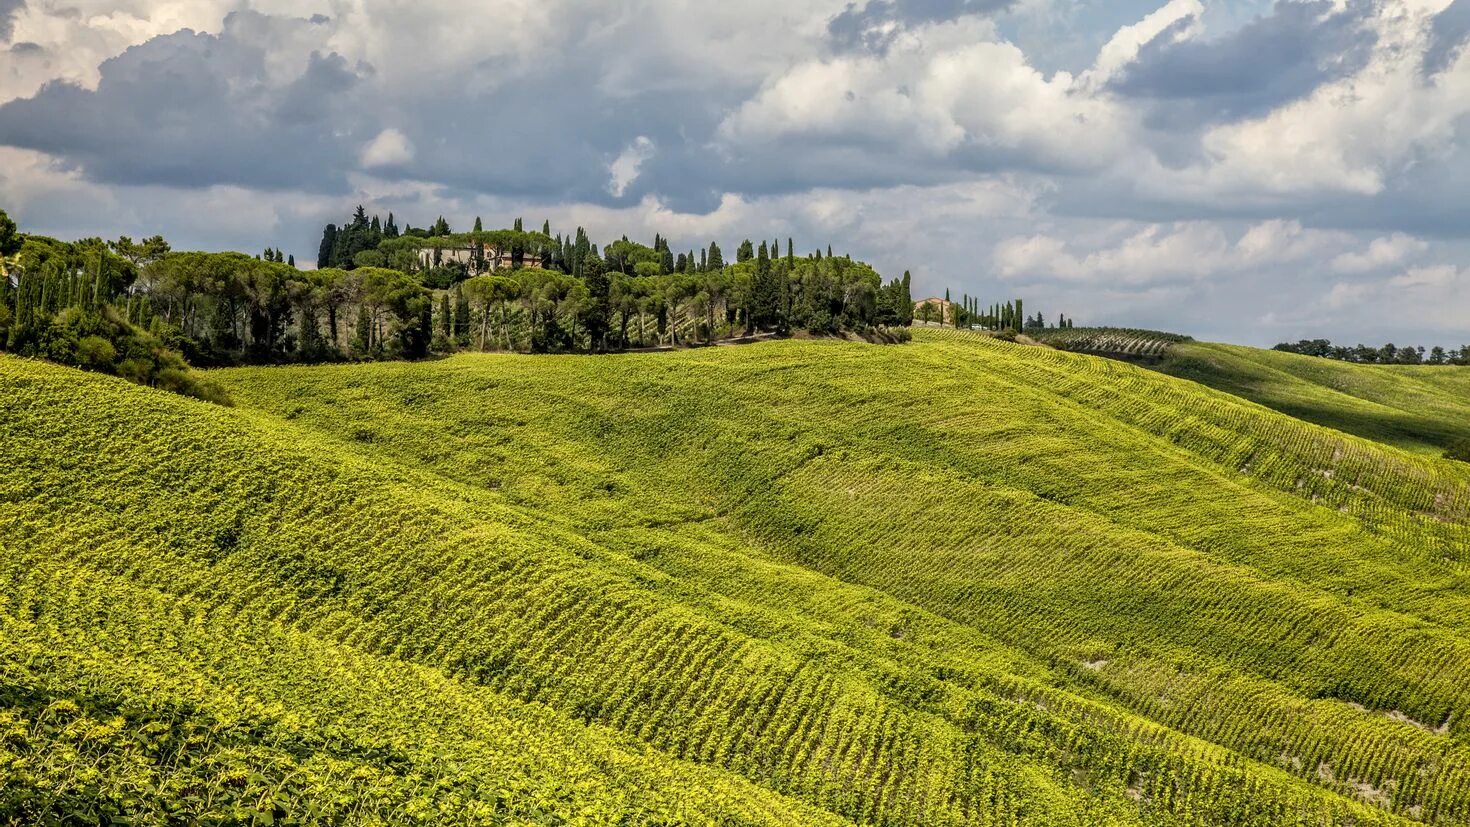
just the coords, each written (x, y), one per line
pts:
(390, 148)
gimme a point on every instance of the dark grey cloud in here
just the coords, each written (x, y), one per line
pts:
(27, 48)
(8, 10)
(193, 110)
(1447, 37)
(1276, 58)
(874, 24)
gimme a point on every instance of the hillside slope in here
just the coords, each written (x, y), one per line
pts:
(952, 582)
(1416, 407)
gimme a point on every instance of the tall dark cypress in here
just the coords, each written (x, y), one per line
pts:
(765, 300)
(327, 248)
(461, 317)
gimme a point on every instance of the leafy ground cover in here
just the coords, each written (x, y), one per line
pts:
(958, 581)
(1420, 408)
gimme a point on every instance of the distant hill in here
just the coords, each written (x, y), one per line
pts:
(953, 582)
(1420, 408)
(1416, 407)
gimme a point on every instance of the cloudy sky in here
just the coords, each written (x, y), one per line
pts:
(1237, 169)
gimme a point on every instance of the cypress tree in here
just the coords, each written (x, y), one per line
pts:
(479, 225)
(328, 246)
(906, 305)
(461, 317)
(446, 318)
(765, 300)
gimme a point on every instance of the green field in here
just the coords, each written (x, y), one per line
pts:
(953, 582)
(1416, 407)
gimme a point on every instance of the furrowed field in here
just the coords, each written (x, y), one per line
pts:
(953, 582)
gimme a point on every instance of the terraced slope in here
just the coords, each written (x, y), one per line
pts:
(952, 582)
(1416, 407)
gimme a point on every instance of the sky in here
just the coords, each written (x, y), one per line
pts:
(1236, 170)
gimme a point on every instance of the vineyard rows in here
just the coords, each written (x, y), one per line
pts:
(1111, 341)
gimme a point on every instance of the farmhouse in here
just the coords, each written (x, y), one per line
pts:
(475, 261)
(933, 308)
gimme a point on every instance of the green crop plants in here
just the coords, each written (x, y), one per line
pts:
(958, 582)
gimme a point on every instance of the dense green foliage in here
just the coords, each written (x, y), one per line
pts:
(556, 293)
(1418, 408)
(958, 582)
(384, 295)
(1389, 354)
(1460, 450)
(66, 302)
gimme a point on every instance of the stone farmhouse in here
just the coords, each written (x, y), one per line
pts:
(486, 262)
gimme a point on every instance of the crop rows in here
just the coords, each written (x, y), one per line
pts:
(1112, 341)
(754, 457)
(947, 583)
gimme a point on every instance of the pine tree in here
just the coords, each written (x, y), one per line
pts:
(745, 252)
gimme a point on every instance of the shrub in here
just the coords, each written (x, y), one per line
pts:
(105, 342)
(1459, 451)
(95, 353)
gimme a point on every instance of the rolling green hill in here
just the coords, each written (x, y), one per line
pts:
(1416, 407)
(958, 581)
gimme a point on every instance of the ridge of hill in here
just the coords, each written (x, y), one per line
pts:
(1420, 408)
(953, 582)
